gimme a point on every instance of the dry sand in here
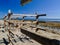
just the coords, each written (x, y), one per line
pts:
(26, 42)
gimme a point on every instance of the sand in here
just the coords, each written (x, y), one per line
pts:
(26, 42)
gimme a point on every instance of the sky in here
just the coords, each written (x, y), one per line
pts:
(49, 7)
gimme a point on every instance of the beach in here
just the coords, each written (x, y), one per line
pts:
(47, 33)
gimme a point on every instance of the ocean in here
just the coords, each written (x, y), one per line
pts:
(40, 19)
(50, 20)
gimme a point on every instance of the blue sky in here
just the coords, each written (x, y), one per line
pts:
(50, 7)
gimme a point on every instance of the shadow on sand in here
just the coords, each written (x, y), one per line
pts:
(5, 41)
(40, 39)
